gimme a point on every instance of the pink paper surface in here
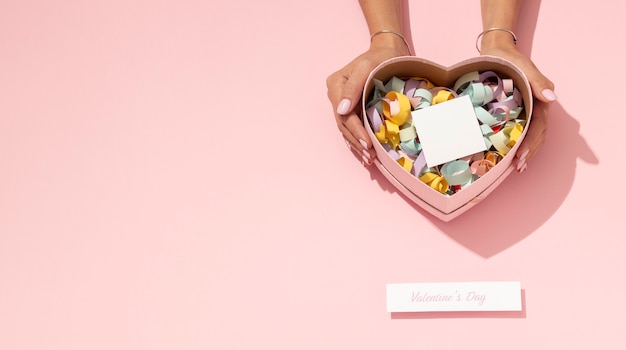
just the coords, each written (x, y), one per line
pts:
(172, 178)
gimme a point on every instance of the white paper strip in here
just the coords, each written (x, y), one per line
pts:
(461, 296)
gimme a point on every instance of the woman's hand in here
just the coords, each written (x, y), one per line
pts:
(344, 92)
(543, 93)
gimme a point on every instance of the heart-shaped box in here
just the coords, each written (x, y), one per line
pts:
(442, 206)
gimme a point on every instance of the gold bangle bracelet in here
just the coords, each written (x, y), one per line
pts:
(492, 29)
(383, 31)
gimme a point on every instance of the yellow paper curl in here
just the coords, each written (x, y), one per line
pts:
(442, 96)
(515, 133)
(405, 163)
(435, 181)
(393, 134)
(404, 108)
(381, 134)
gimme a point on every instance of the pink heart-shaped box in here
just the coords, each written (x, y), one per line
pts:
(445, 207)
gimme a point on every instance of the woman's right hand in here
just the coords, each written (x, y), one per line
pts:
(345, 87)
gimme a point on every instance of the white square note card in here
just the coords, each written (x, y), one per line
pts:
(461, 296)
(448, 131)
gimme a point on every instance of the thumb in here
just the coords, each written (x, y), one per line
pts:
(542, 87)
(352, 90)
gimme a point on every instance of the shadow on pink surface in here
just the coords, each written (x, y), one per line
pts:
(523, 202)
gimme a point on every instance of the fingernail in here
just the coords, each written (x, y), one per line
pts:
(523, 168)
(365, 161)
(523, 156)
(367, 154)
(363, 143)
(549, 94)
(521, 164)
(344, 106)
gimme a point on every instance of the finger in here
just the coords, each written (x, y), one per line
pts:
(541, 86)
(364, 156)
(365, 159)
(352, 88)
(355, 133)
(350, 125)
(535, 137)
(354, 123)
(335, 84)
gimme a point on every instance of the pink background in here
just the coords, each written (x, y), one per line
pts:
(172, 178)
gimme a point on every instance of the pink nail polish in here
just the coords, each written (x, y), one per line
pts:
(523, 155)
(367, 154)
(521, 164)
(549, 94)
(363, 143)
(365, 160)
(523, 168)
(344, 106)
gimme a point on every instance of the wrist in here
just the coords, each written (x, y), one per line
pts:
(497, 39)
(390, 40)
